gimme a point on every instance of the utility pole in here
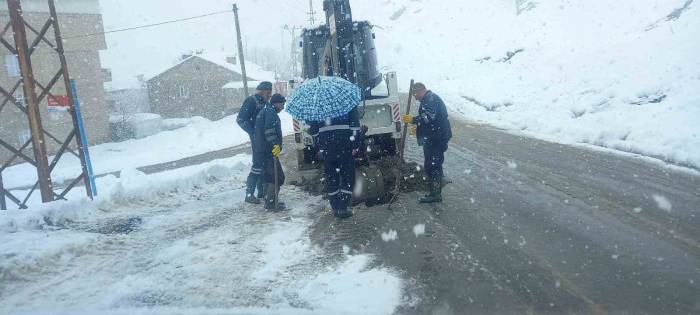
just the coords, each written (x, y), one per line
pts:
(312, 13)
(293, 30)
(240, 51)
(30, 97)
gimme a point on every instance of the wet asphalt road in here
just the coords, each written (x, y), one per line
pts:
(532, 227)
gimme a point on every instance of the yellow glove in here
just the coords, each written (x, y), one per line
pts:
(408, 119)
(276, 150)
(414, 130)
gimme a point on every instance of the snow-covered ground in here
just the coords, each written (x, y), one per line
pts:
(618, 74)
(181, 242)
(199, 137)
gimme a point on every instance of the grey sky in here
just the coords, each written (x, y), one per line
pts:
(147, 51)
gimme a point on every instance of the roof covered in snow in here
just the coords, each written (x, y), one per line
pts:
(253, 71)
(239, 85)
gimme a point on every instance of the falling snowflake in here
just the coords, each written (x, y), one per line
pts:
(419, 229)
(512, 165)
(392, 235)
(662, 203)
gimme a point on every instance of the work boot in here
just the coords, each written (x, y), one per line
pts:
(435, 191)
(251, 182)
(438, 190)
(261, 189)
(251, 199)
(428, 190)
(270, 198)
(342, 214)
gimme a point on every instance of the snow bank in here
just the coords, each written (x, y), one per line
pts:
(131, 186)
(622, 75)
(175, 123)
(199, 137)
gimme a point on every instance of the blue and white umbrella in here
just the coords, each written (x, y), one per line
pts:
(323, 98)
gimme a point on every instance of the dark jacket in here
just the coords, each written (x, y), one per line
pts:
(249, 111)
(268, 130)
(432, 121)
(338, 137)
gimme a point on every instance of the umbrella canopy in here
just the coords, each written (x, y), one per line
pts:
(323, 98)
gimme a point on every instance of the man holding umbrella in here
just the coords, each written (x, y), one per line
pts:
(267, 146)
(339, 141)
(329, 106)
(246, 119)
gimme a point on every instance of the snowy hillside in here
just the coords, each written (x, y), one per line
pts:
(622, 74)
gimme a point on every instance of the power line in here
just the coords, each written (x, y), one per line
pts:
(312, 13)
(149, 25)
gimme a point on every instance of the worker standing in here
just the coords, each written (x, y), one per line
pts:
(267, 146)
(339, 141)
(246, 119)
(433, 133)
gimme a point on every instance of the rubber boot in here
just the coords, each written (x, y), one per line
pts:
(438, 190)
(251, 182)
(270, 198)
(343, 214)
(435, 189)
(261, 189)
(428, 190)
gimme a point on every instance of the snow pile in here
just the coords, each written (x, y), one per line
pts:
(198, 137)
(622, 75)
(131, 186)
(176, 123)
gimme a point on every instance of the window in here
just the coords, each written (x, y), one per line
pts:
(183, 92)
(12, 64)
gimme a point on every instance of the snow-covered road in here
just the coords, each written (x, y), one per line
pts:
(196, 250)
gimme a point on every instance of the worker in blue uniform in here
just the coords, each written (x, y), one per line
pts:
(339, 140)
(434, 133)
(246, 120)
(267, 145)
